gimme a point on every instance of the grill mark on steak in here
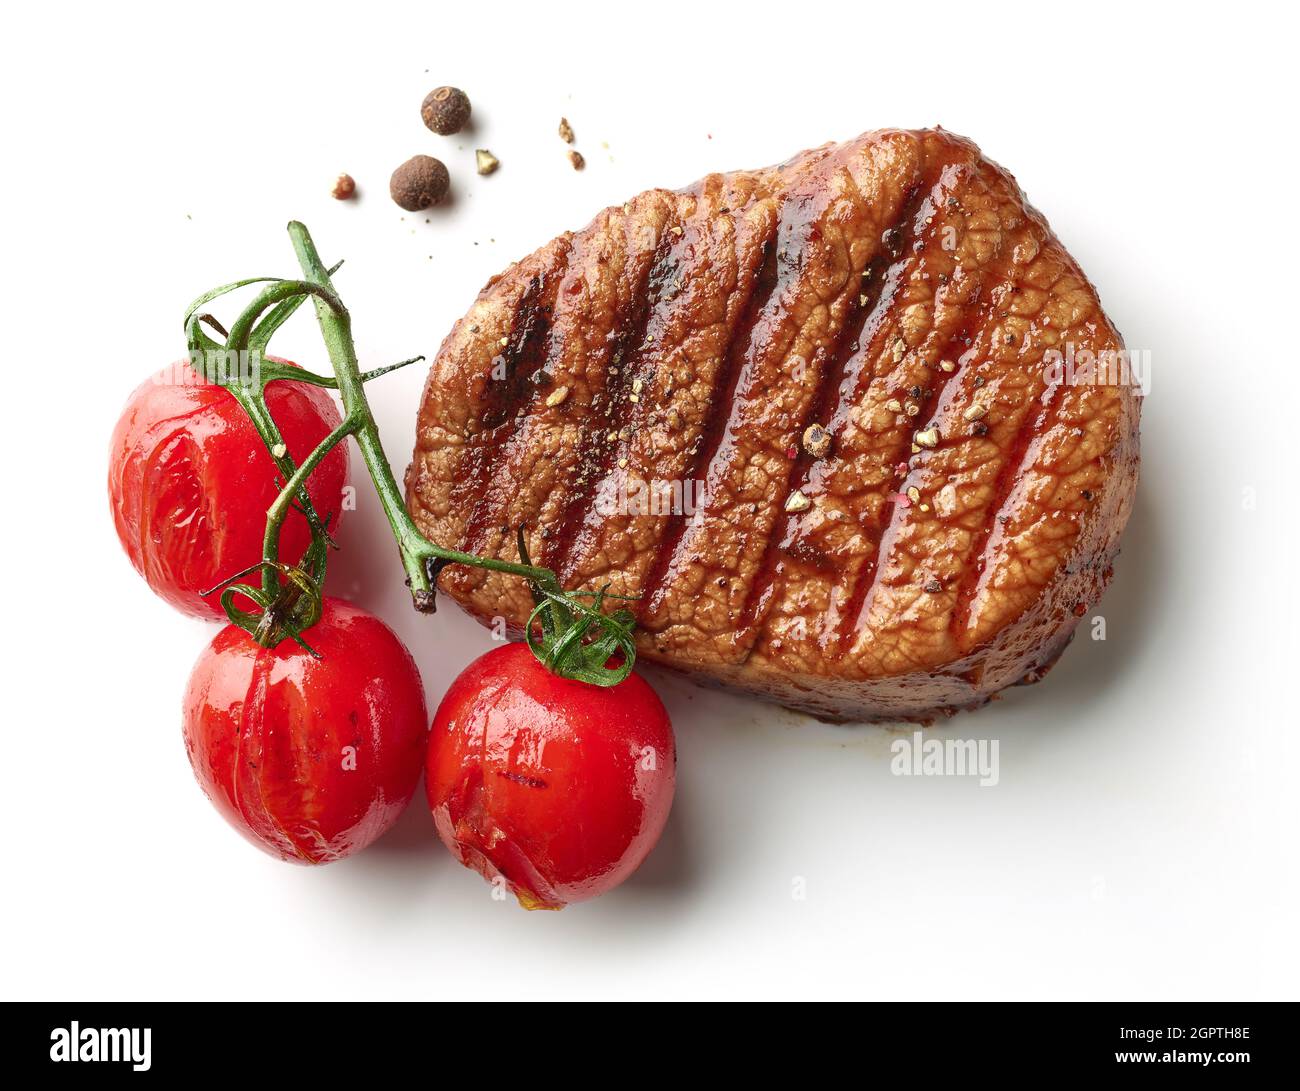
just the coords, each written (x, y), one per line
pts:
(525, 358)
(832, 402)
(830, 405)
(1019, 459)
(627, 360)
(901, 253)
(522, 355)
(846, 624)
(975, 314)
(591, 293)
(717, 254)
(930, 303)
(853, 616)
(986, 346)
(786, 352)
(763, 286)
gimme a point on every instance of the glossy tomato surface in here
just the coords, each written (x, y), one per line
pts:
(189, 481)
(559, 788)
(310, 759)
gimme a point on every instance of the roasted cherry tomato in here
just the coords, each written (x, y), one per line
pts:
(189, 481)
(557, 788)
(310, 759)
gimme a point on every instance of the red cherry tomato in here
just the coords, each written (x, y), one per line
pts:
(310, 759)
(189, 481)
(560, 788)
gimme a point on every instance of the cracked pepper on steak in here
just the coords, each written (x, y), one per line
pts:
(896, 290)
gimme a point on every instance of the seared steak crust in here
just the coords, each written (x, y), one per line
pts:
(896, 290)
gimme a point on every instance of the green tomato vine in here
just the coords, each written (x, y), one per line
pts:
(569, 632)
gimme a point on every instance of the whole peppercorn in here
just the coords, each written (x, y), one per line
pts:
(419, 182)
(445, 110)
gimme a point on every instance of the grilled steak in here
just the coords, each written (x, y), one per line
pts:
(809, 416)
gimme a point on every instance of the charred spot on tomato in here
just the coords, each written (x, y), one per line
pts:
(520, 778)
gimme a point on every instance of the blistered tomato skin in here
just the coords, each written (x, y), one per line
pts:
(310, 759)
(190, 480)
(559, 788)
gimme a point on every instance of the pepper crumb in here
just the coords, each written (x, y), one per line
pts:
(797, 501)
(345, 186)
(575, 157)
(566, 130)
(816, 441)
(486, 161)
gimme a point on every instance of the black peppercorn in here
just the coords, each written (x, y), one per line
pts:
(445, 110)
(418, 183)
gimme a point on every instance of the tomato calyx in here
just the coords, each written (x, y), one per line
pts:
(572, 636)
(296, 605)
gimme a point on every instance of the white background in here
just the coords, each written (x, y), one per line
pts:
(1142, 840)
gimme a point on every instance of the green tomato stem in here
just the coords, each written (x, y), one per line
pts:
(336, 327)
(577, 639)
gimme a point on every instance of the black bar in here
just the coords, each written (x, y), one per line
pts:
(1226, 1040)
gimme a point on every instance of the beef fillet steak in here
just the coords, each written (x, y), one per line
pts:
(811, 416)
